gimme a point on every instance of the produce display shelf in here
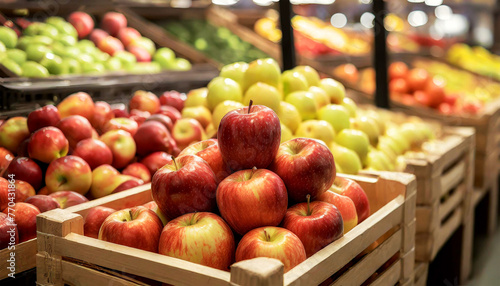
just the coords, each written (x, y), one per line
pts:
(379, 251)
(26, 252)
(141, 19)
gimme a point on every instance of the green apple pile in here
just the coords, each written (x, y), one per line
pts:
(311, 107)
(59, 47)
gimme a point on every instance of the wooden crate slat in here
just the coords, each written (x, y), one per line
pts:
(409, 232)
(453, 177)
(25, 257)
(371, 262)
(138, 262)
(408, 264)
(261, 271)
(390, 276)
(74, 274)
(326, 262)
(452, 202)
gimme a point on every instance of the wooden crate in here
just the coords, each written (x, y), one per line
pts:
(26, 252)
(444, 196)
(65, 256)
(421, 272)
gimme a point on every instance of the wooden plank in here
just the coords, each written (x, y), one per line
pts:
(407, 264)
(452, 202)
(330, 259)
(261, 271)
(427, 218)
(390, 276)
(409, 232)
(138, 262)
(452, 177)
(447, 230)
(25, 255)
(421, 271)
(74, 274)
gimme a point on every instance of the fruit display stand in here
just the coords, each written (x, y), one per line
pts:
(26, 252)
(379, 251)
(141, 19)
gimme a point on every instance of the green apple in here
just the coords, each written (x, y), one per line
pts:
(73, 66)
(378, 161)
(263, 94)
(145, 43)
(54, 64)
(39, 39)
(378, 119)
(334, 89)
(43, 29)
(320, 96)
(389, 146)
(304, 102)
(8, 37)
(403, 142)
(293, 81)
(165, 57)
(66, 52)
(197, 97)
(17, 55)
(289, 116)
(85, 59)
(113, 64)
(181, 64)
(3, 49)
(262, 70)
(221, 89)
(36, 52)
(346, 160)
(100, 57)
(63, 27)
(235, 71)
(66, 40)
(33, 69)
(92, 68)
(12, 66)
(54, 20)
(309, 73)
(336, 115)
(316, 129)
(355, 140)
(222, 109)
(128, 59)
(286, 134)
(368, 126)
(350, 105)
(86, 46)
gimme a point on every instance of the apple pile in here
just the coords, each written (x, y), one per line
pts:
(240, 196)
(59, 47)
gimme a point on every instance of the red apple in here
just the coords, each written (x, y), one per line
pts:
(82, 22)
(187, 131)
(272, 242)
(156, 160)
(397, 70)
(398, 85)
(137, 227)
(43, 203)
(113, 22)
(43, 191)
(4, 193)
(23, 191)
(353, 190)
(163, 119)
(171, 112)
(110, 45)
(105, 179)
(145, 101)
(202, 238)
(127, 35)
(253, 198)
(139, 116)
(435, 90)
(249, 137)
(97, 35)
(43, 117)
(139, 171)
(173, 98)
(183, 186)
(68, 199)
(209, 151)
(94, 152)
(120, 110)
(75, 128)
(122, 146)
(22, 149)
(79, 103)
(121, 123)
(9, 235)
(24, 216)
(417, 79)
(70, 173)
(152, 205)
(153, 136)
(132, 182)
(140, 53)
(5, 158)
(317, 224)
(102, 114)
(306, 166)
(26, 170)
(345, 206)
(94, 219)
(13, 132)
(48, 144)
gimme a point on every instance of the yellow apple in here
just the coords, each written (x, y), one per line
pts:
(200, 113)
(317, 129)
(334, 89)
(304, 102)
(350, 106)
(197, 97)
(289, 116)
(346, 160)
(336, 115)
(320, 96)
(262, 70)
(309, 73)
(286, 134)
(235, 71)
(355, 140)
(221, 89)
(263, 94)
(222, 109)
(293, 81)
(368, 126)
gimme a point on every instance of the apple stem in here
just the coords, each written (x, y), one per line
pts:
(175, 163)
(250, 106)
(308, 197)
(253, 171)
(131, 216)
(192, 219)
(268, 238)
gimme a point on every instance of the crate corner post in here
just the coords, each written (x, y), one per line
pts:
(257, 272)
